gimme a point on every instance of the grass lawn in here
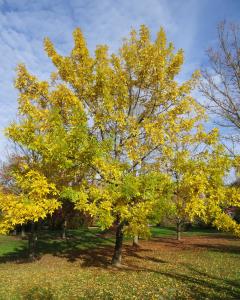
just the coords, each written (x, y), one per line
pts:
(204, 265)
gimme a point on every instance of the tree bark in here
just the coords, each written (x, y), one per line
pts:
(117, 256)
(135, 241)
(178, 231)
(23, 233)
(64, 235)
(32, 241)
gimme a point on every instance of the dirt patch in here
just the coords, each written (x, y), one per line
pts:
(190, 243)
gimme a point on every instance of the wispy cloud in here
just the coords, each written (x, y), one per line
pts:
(190, 24)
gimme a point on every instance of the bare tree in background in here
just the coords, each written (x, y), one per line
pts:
(221, 80)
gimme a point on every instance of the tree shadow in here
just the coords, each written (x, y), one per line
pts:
(203, 287)
(95, 249)
(75, 246)
(232, 249)
(200, 285)
(92, 250)
(213, 243)
(18, 255)
(87, 247)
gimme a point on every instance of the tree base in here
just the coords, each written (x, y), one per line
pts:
(136, 245)
(117, 264)
(32, 258)
(116, 261)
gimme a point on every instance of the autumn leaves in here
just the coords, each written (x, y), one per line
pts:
(119, 137)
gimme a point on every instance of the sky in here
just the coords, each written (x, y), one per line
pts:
(189, 24)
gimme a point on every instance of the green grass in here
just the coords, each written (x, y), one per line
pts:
(10, 245)
(50, 242)
(204, 265)
(194, 231)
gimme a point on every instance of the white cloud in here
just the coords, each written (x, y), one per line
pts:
(24, 24)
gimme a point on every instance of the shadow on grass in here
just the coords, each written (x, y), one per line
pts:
(204, 286)
(79, 244)
(18, 254)
(93, 249)
(200, 285)
(230, 249)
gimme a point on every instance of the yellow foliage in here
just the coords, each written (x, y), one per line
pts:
(109, 125)
(37, 198)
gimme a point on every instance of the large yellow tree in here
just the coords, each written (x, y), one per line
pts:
(135, 108)
(105, 124)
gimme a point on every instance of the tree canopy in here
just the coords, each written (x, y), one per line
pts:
(119, 136)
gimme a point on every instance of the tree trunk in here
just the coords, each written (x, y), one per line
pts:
(32, 241)
(117, 256)
(178, 231)
(23, 233)
(64, 229)
(135, 241)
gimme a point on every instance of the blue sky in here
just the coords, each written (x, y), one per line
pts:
(190, 24)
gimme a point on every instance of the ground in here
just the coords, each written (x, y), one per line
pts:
(204, 265)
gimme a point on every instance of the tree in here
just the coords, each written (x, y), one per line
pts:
(135, 107)
(204, 193)
(34, 199)
(7, 181)
(187, 167)
(191, 190)
(219, 196)
(49, 134)
(221, 86)
(49, 138)
(221, 79)
(105, 125)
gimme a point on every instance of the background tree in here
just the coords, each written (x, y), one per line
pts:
(200, 190)
(187, 168)
(12, 164)
(219, 196)
(50, 132)
(221, 86)
(221, 81)
(199, 168)
(33, 199)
